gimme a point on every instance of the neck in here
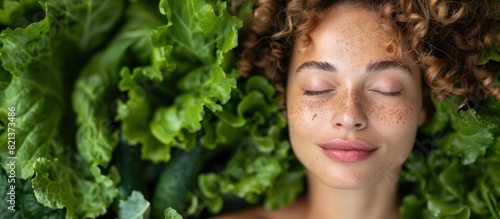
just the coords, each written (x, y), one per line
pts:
(374, 202)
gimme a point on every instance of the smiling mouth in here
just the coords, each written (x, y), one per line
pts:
(349, 156)
(348, 151)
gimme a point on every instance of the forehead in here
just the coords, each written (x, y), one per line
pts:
(354, 35)
(351, 27)
(353, 22)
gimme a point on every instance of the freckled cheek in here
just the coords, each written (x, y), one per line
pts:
(398, 122)
(305, 113)
(396, 114)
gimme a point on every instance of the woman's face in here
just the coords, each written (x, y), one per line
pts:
(352, 109)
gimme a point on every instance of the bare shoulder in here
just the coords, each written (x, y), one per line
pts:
(295, 210)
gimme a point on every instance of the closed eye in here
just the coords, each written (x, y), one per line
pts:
(390, 94)
(315, 93)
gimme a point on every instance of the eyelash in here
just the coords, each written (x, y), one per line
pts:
(315, 93)
(391, 94)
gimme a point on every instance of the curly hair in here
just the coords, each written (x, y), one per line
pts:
(447, 38)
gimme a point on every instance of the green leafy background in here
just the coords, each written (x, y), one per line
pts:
(134, 109)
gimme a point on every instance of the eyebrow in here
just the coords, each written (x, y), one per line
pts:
(386, 65)
(325, 66)
(372, 67)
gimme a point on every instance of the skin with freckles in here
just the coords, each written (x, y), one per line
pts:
(346, 97)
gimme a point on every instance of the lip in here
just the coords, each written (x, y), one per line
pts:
(348, 151)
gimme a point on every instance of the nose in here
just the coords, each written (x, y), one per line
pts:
(350, 112)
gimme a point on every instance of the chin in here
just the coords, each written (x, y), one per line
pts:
(349, 176)
(348, 181)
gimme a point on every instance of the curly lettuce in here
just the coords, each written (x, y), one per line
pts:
(40, 63)
(457, 179)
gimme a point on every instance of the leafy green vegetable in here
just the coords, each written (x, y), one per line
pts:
(176, 179)
(15, 13)
(260, 159)
(32, 95)
(411, 208)
(194, 34)
(136, 113)
(26, 53)
(170, 213)
(457, 189)
(136, 206)
(440, 209)
(26, 205)
(178, 93)
(473, 133)
(38, 60)
(191, 35)
(58, 186)
(492, 55)
(285, 189)
(96, 134)
(83, 25)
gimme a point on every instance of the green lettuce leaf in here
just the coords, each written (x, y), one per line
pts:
(135, 207)
(200, 35)
(5, 77)
(83, 25)
(136, 113)
(460, 172)
(489, 195)
(260, 163)
(285, 189)
(470, 134)
(40, 48)
(26, 205)
(492, 55)
(43, 60)
(170, 213)
(33, 95)
(177, 179)
(441, 209)
(96, 94)
(58, 186)
(95, 136)
(15, 13)
(190, 49)
(411, 208)
(452, 180)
